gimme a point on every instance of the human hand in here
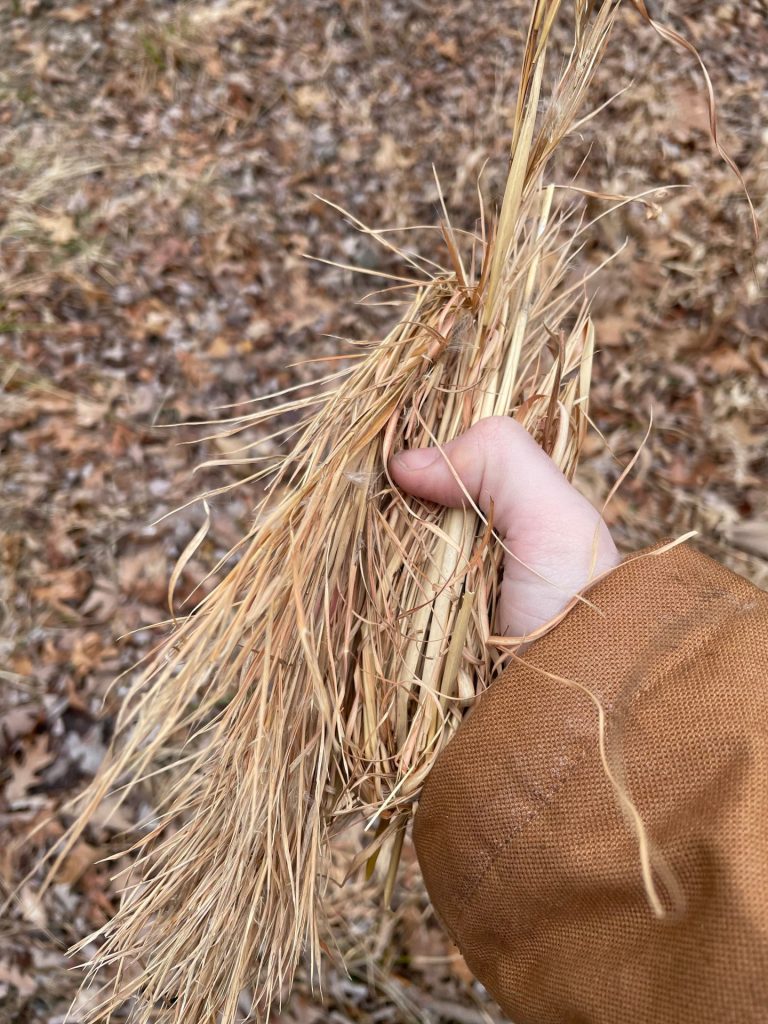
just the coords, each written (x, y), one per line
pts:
(556, 540)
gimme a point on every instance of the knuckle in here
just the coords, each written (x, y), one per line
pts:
(495, 430)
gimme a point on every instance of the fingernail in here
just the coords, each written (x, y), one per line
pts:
(414, 459)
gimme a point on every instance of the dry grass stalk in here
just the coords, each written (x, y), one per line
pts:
(320, 678)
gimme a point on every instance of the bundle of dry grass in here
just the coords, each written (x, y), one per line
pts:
(318, 681)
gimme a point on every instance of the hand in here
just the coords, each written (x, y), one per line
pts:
(557, 539)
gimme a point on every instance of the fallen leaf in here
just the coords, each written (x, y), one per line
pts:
(24, 773)
(31, 906)
(102, 601)
(309, 99)
(450, 50)
(88, 653)
(77, 862)
(16, 723)
(389, 156)
(60, 228)
(60, 588)
(12, 977)
(74, 13)
(726, 360)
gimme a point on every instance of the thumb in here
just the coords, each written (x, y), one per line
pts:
(555, 538)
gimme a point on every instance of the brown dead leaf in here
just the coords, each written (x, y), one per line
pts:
(169, 252)
(450, 50)
(13, 978)
(36, 756)
(688, 109)
(101, 603)
(612, 329)
(389, 156)
(60, 228)
(88, 413)
(88, 653)
(310, 99)
(144, 574)
(40, 59)
(726, 360)
(62, 587)
(219, 348)
(73, 13)
(31, 906)
(17, 722)
(77, 862)
(100, 906)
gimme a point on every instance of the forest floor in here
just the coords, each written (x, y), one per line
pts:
(158, 191)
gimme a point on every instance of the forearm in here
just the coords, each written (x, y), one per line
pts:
(528, 857)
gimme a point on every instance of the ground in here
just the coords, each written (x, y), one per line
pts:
(161, 169)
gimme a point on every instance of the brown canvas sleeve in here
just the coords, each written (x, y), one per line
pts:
(528, 859)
